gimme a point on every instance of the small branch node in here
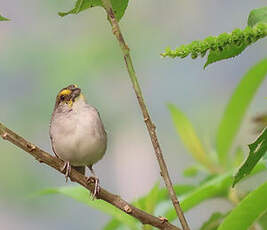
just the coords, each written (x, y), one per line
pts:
(111, 14)
(91, 180)
(39, 159)
(114, 30)
(31, 147)
(176, 202)
(163, 219)
(4, 136)
(127, 209)
(126, 47)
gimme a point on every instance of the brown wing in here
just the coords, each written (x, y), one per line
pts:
(53, 147)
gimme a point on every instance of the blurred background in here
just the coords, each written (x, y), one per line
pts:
(40, 53)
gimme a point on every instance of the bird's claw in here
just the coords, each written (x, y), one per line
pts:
(95, 181)
(66, 167)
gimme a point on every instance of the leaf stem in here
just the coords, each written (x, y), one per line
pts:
(150, 126)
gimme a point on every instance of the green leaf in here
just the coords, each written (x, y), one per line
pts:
(185, 130)
(256, 152)
(213, 222)
(263, 221)
(257, 16)
(81, 5)
(247, 211)
(227, 52)
(112, 224)
(236, 108)
(3, 18)
(191, 171)
(148, 203)
(82, 195)
(119, 7)
(216, 187)
(162, 195)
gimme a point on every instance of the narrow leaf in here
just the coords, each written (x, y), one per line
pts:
(216, 187)
(119, 7)
(3, 18)
(191, 171)
(213, 188)
(185, 130)
(263, 221)
(236, 108)
(162, 195)
(149, 202)
(257, 151)
(213, 222)
(247, 211)
(113, 224)
(81, 5)
(257, 16)
(82, 195)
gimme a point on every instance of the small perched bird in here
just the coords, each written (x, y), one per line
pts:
(77, 133)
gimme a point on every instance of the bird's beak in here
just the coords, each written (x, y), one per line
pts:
(75, 93)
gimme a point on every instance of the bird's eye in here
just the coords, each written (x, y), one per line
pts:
(62, 97)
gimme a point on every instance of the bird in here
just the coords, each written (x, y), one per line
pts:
(77, 134)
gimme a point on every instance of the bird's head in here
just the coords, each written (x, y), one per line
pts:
(68, 96)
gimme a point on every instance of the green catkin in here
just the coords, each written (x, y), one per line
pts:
(237, 38)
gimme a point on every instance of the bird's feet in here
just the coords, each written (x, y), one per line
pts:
(66, 167)
(95, 181)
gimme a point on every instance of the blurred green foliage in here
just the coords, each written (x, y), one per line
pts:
(213, 222)
(3, 18)
(237, 107)
(247, 211)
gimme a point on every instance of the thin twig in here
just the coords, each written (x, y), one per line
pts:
(56, 163)
(150, 126)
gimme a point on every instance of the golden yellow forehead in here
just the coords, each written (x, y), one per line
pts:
(65, 92)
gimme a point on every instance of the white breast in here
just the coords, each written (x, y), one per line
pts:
(78, 135)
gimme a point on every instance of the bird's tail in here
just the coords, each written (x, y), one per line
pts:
(80, 169)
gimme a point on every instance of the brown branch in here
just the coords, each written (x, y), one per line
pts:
(149, 124)
(115, 200)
